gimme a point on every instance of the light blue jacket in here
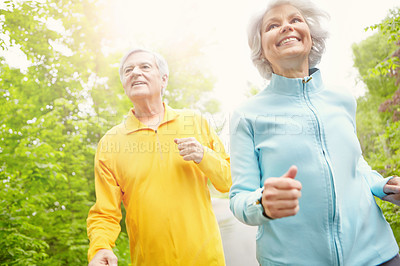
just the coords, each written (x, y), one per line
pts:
(300, 122)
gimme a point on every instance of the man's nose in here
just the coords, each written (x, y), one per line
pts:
(136, 71)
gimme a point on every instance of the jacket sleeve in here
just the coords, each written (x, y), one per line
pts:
(103, 222)
(246, 175)
(375, 181)
(216, 162)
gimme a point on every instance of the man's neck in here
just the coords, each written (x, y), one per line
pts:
(150, 115)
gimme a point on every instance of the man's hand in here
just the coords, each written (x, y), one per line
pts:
(190, 149)
(281, 195)
(392, 188)
(104, 257)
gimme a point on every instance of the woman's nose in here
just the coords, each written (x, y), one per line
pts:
(286, 27)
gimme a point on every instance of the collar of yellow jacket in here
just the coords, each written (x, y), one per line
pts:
(133, 124)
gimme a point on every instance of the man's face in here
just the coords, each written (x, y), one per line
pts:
(141, 78)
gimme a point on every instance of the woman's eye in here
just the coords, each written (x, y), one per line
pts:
(295, 20)
(271, 27)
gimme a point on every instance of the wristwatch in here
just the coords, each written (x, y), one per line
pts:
(259, 201)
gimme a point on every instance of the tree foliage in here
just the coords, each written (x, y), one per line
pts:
(47, 140)
(390, 29)
(52, 115)
(378, 115)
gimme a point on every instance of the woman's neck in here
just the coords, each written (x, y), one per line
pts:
(292, 69)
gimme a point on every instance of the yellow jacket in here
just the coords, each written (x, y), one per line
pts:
(169, 215)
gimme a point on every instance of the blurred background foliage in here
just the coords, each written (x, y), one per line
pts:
(377, 59)
(53, 110)
(55, 107)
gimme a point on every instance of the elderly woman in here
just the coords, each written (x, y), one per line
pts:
(297, 168)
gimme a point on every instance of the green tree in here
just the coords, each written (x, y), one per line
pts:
(53, 111)
(50, 128)
(378, 113)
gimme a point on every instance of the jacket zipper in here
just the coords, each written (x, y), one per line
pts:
(328, 163)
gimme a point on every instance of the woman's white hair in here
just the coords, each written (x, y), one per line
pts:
(312, 15)
(160, 62)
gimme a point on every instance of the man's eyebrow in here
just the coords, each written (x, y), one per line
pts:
(139, 64)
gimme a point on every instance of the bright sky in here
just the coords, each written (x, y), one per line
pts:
(220, 27)
(222, 24)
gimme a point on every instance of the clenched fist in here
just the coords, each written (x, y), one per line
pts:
(104, 257)
(280, 197)
(190, 149)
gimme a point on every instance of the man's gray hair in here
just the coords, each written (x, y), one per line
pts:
(312, 15)
(160, 62)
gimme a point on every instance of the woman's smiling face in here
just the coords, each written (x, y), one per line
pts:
(285, 36)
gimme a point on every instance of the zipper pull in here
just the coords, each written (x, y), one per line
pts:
(306, 79)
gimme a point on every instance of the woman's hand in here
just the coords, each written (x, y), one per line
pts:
(281, 195)
(392, 188)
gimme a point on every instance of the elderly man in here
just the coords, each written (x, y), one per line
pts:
(157, 162)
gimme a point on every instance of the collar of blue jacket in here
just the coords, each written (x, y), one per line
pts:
(295, 86)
